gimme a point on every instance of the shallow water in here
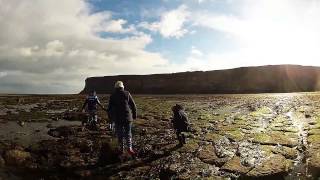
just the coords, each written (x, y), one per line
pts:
(300, 169)
(30, 132)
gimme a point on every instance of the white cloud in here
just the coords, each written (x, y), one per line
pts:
(196, 52)
(50, 47)
(267, 32)
(154, 26)
(117, 26)
(3, 74)
(47, 46)
(171, 24)
(55, 48)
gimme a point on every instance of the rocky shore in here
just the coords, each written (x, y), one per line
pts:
(233, 137)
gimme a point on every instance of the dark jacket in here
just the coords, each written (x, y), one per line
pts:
(91, 103)
(121, 108)
(180, 120)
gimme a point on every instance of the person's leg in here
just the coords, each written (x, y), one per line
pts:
(89, 118)
(128, 136)
(95, 121)
(91, 121)
(179, 137)
(95, 118)
(183, 138)
(119, 132)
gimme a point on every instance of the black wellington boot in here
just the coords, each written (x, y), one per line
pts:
(183, 139)
(180, 139)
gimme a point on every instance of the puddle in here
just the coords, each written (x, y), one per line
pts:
(31, 132)
(300, 168)
(57, 111)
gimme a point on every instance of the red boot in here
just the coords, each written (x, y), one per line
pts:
(131, 152)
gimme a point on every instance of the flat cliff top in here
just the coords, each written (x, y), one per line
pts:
(261, 79)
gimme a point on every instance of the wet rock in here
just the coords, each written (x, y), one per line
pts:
(314, 162)
(314, 141)
(250, 154)
(145, 150)
(2, 162)
(285, 129)
(212, 137)
(207, 154)
(234, 165)
(75, 116)
(4, 146)
(274, 138)
(49, 125)
(16, 157)
(142, 172)
(56, 111)
(167, 174)
(63, 131)
(109, 153)
(72, 161)
(83, 173)
(289, 153)
(263, 111)
(35, 148)
(312, 122)
(85, 146)
(21, 123)
(314, 132)
(236, 135)
(190, 147)
(176, 167)
(3, 112)
(252, 108)
(274, 166)
(224, 148)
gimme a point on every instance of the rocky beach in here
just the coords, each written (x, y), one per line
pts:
(257, 136)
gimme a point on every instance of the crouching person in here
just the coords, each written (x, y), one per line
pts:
(122, 111)
(180, 123)
(90, 104)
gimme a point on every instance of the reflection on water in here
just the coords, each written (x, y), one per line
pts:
(30, 132)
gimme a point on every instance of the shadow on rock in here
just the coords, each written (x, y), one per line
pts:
(109, 153)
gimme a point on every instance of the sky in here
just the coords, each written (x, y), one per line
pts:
(50, 46)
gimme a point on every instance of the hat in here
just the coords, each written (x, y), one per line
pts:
(119, 84)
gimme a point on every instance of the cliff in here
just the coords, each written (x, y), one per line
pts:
(262, 79)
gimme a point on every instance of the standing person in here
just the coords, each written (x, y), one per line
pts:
(180, 122)
(91, 103)
(122, 111)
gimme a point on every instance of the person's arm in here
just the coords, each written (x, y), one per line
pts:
(184, 117)
(133, 107)
(173, 120)
(185, 120)
(110, 108)
(99, 103)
